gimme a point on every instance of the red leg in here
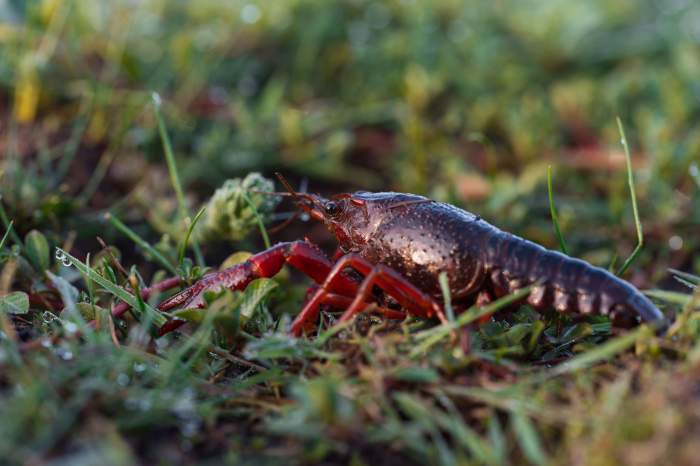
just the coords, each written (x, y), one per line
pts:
(343, 302)
(484, 298)
(338, 254)
(336, 301)
(411, 298)
(310, 311)
(301, 255)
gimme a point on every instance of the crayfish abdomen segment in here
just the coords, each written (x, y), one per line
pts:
(559, 281)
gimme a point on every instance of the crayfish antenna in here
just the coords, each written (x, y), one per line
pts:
(287, 185)
(281, 226)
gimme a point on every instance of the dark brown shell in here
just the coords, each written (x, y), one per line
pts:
(420, 239)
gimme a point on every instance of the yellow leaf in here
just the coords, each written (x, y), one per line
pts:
(291, 127)
(48, 9)
(235, 258)
(26, 94)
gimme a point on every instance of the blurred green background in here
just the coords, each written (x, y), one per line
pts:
(466, 102)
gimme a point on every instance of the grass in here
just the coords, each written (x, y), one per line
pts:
(635, 211)
(473, 106)
(553, 212)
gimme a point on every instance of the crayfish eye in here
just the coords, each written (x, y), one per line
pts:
(332, 208)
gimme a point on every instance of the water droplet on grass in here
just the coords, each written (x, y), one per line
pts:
(695, 173)
(145, 404)
(157, 101)
(250, 13)
(139, 367)
(62, 258)
(675, 242)
(123, 379)
(70, 327)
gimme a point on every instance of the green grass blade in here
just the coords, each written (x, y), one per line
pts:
(186, 240)
(670, 296)
(603, 352)
(613, 262)
(529, 440)
(169, 156)
(7, 234)
(432, 336)
(507, 399)
(117, 291)
(263, 231)
(497, 437)
(633, 197)
(172, 170)
(688, 277)
(141, 242)
(9, 227)
(446, 296)
(330, 332)
(553, 212)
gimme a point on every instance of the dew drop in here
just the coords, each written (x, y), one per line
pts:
(675, 242)
(123, 379)
(694, 171)
(250, 13)
(157, 101)
(70, 327)
(144, 404)
(139, 367)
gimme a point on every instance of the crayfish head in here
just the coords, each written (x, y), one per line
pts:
(355, 218)
(344, 214)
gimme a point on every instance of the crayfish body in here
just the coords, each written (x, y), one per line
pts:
(401, 243)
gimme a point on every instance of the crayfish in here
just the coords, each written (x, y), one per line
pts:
(401, 243)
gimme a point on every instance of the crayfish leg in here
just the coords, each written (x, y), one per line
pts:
(302, 255)
(391, 282)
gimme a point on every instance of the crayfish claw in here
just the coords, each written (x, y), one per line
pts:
(188, 298)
